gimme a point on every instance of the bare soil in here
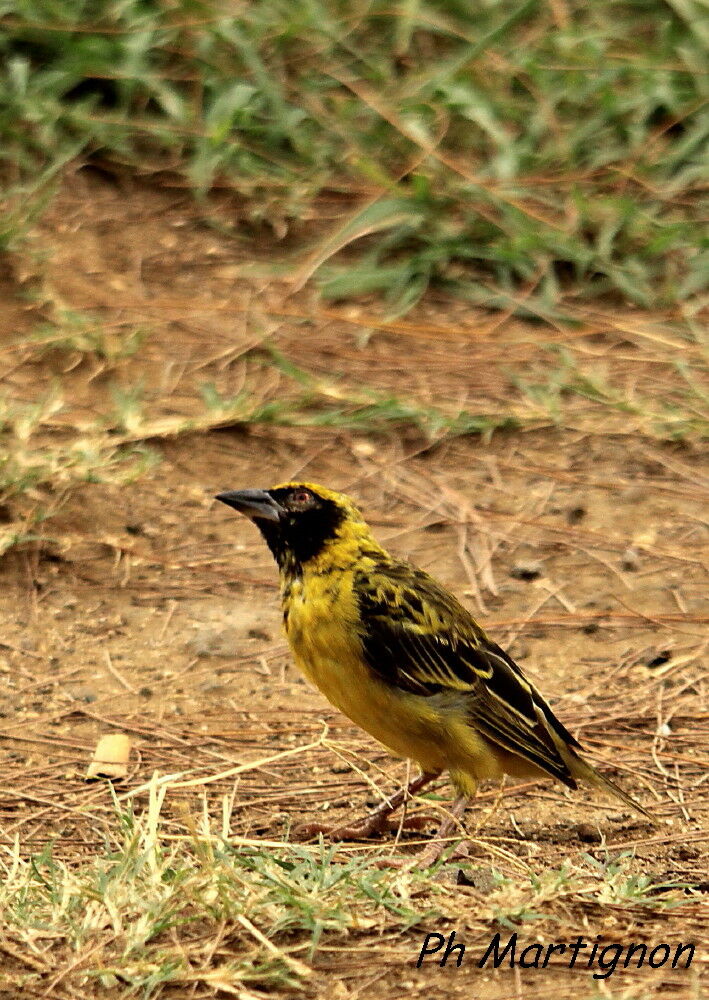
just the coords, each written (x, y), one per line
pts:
(152, 610)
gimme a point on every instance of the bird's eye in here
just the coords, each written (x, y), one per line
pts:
(302, 496)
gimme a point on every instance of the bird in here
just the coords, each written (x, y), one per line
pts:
(402, 658)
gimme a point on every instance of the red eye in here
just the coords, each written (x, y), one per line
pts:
(302, 496)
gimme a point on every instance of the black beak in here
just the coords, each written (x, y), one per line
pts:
(256, 504)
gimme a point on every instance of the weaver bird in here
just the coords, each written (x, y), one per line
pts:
(394, 651)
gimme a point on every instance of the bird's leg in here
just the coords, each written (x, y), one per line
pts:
(432, 852)
(376, 822)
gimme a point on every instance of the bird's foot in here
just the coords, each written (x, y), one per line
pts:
(381, 819)
(425, 858)
(305, 831)
(440, 842)
(376, 823)
(372, 826)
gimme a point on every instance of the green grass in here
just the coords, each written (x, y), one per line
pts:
(676, 414)
(523, 156)
(155, 909)
(517, 154)
(154, 903)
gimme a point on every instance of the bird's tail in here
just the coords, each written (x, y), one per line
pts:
(580, 768)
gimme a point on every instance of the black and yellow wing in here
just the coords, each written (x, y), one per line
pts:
(419, 638)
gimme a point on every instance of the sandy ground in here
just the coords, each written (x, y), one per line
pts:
(150, 609)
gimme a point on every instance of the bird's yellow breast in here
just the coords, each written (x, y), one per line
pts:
(320, 622)
(321, 618)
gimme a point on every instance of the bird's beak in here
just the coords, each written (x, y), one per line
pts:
(256, 504)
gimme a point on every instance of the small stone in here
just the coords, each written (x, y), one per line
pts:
(84, 694)
(527, 569)
(258, 633)
(630, 560)
(588, 833)
(575, 514)
(482, 879)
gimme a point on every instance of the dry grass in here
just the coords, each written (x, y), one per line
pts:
(190, 877)
(131, 606)
(92, 381)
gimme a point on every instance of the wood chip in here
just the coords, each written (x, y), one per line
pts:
(110, 758)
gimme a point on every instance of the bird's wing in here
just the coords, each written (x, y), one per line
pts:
(416, 636)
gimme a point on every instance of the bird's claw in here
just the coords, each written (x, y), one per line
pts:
(373, 826)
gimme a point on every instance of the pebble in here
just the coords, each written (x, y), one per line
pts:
(575, 514)
(588, 833)
(259, 633)
(630, 560)
(527, 569)
(84, 694)
(482, 879)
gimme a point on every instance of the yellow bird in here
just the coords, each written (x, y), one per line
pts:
(394, 651)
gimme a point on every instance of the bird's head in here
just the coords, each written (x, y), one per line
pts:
(299, 520)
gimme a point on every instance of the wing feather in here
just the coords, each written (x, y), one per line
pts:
(416, 636)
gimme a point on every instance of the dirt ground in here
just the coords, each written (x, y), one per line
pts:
(150, 609)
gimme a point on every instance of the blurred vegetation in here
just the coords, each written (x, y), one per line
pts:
(519, 153)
